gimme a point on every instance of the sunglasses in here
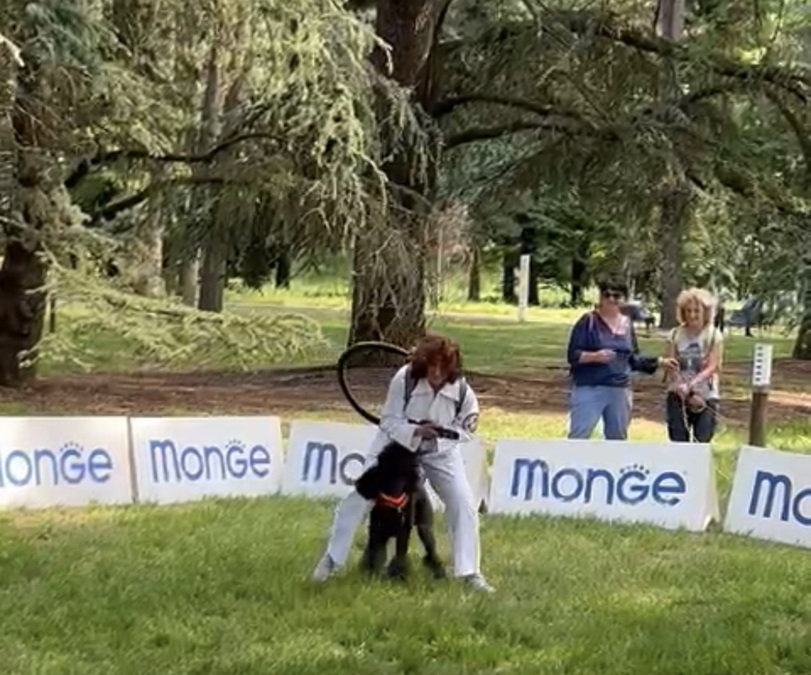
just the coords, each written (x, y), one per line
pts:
(613, 295)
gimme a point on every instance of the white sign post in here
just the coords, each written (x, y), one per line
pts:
(762, 365)
(761, 380)
(523, 287)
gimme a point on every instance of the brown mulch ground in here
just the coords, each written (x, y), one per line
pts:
(281, 391)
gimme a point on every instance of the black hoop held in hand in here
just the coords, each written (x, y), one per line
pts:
(372, 355)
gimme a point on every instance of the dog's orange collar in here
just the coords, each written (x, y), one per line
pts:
(394, 502)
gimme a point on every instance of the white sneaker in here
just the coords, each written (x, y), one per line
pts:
(325, 569)
(478, 583)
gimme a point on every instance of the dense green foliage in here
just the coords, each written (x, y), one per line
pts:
(249, 138)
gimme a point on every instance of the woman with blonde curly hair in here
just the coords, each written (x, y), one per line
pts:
(693, 388)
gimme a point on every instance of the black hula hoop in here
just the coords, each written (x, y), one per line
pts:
(365, 414)
(358, 346)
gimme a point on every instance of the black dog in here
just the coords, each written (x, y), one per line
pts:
(401, 501)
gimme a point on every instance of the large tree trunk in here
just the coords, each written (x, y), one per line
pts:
(24, 273)
(22, 312)
(26, 211)
(675, 202)
(675, 205)
(388, 293)
(388, 290)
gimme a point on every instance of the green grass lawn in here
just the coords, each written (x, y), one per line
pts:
(521, 347)
(221, 587)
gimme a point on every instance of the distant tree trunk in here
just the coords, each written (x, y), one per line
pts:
(149, 237)
(283, 267)
(213, 276)
(189, 277)
(474, 280)
(508, 265)
(802, 347)
(218, 239)
(534, 298)
(388, 291)
(209, 130)
(580, 271)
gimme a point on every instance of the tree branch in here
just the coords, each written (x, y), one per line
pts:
(488, 133)
(102, 159)
(796, 125)
(113, 209)
(588, 24)
(791, 80)
(449, 104)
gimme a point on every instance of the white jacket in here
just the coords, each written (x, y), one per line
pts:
(425, 405)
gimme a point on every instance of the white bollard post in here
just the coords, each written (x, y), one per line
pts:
(523, 288)
(761, 381)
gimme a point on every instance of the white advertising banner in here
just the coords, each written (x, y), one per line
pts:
(771, 496)
(179, 459)
(64, 461)
(666, 484)
(325, 458)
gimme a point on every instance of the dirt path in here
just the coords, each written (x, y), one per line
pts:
(285, 391)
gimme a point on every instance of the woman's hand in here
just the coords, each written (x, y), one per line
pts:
(427, 430)
(669, 364)
(683, 390)
(601, 356)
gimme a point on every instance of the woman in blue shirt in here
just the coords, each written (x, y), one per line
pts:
(603, 351)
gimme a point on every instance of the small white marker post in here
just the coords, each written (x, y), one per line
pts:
(761, 381)
(523, 287)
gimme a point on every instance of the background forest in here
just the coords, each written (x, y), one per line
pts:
(154, 154)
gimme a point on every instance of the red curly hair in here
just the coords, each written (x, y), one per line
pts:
(437, 350)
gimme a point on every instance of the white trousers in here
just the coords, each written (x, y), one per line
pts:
(445, 472)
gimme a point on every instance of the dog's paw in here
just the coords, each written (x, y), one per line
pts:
(397, 570)
(371, 563)
(436, 568)
(439, 572)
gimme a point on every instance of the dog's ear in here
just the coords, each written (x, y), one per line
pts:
(369, 483)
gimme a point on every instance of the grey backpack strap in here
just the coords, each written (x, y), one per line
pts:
(462, 395)
(410, 384)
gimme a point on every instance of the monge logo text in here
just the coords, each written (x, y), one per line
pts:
(314, 456)
(69, 465)
(630, 485)
(191, 464)
(794, 505)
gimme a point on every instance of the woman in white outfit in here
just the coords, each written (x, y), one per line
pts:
(430, 388)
